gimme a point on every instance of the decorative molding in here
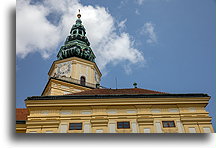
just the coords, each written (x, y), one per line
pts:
(64, 87)
(158, 127)
(173, 110)
(87, 127)
(155, 110)
(192, 109)
(45, 112)
(65, 112)
(63, 128)
(180, 127)
(66, 92)
(111, 111)
(112, 128)
(131, 111)
(86, 112)
(134, 127)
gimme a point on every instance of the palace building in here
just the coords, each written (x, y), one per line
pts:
(73, 101)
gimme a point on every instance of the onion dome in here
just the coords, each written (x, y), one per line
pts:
(77, 44)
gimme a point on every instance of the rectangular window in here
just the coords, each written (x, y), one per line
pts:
(192, 130)
(75, 126)
(123, 125)
(206, 130)
(147, 130)
(168, 123)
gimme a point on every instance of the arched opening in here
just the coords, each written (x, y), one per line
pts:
(82, 80)
(80, 32)
(74, 32)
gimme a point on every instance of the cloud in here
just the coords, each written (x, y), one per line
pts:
(148, 30)
(139, 2)
(34, 31)
(122, 3)
(43, 26)
(122, 25)
(118, 48)
(137, 12)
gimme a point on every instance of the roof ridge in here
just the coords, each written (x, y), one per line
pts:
(117, 91)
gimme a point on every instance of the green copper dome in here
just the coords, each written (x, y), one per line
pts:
(76, 44)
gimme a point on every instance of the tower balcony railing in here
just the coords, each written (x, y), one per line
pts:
(87, 84)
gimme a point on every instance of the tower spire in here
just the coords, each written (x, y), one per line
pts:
(77, 44)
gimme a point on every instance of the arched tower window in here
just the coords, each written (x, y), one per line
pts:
(82, 80)
(80, 32)
(74, 32)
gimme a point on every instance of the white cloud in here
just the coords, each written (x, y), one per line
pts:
(122, 3)
(137, 12)
(139, 2)
(148, 30)
(36, 33)
(122, 25)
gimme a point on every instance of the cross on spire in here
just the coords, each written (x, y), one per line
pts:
(79, 15)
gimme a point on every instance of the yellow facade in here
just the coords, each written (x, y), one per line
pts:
(21, 128)
(59, 87)
(145, 115)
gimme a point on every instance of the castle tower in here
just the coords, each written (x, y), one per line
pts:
(75, 70)
(71, 102)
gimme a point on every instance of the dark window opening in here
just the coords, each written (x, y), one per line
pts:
(74, 32)
(75, 126)
(82, 80)
(123, 125)
(168, 123)
(80, 32)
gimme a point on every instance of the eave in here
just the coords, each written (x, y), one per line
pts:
(64, 97)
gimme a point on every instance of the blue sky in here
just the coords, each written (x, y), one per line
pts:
(169, 44)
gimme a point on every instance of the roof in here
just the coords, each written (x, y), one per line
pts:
(116, 93)
(129, 91)
(21, 114)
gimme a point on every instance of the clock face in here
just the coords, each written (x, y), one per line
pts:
(63, 69)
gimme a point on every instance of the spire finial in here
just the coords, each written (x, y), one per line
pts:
(135, 85)
(79, 15)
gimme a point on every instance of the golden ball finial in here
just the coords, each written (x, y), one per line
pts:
(79, 15)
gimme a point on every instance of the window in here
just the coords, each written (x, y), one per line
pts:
(75, 126)
(147, 130)
(80, 32)
(206, 130)
(74, 32)
(168, 123)
(155, 110)
(192, 130)
(99, 131)
(123, 125)
(82, 80)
